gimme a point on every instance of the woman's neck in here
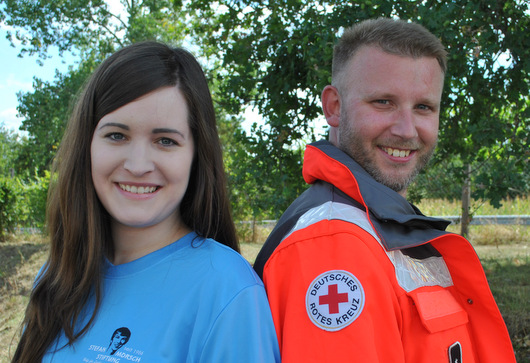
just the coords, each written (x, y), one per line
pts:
(131, 243)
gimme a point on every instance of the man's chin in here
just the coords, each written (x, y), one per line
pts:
(398, 183)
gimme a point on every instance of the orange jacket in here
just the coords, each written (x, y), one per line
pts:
(355, 274)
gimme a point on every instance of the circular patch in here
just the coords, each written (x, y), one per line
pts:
(334, 300)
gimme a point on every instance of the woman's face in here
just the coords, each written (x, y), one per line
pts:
(141, 160)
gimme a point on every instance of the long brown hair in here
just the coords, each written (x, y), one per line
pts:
(79, 226)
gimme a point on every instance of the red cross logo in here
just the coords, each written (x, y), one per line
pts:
(324, 290)
(333, 299)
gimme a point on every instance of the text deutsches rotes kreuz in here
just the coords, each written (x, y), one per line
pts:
(334, 300)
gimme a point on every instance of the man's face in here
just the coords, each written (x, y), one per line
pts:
(118, 340)
(389, 114)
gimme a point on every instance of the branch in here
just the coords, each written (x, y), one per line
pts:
(111, 32)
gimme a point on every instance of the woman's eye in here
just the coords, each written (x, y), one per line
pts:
(167, 142)
(117, 136)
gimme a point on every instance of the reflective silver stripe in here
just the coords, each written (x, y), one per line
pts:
(411, 273)
(334, 211)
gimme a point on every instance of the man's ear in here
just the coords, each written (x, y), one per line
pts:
(331, 105)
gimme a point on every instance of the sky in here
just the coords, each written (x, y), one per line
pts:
(16, 75)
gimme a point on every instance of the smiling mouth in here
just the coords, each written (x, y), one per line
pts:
(396, 152)
(137, 190)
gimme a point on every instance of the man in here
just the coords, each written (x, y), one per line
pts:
(119, 338)
(354, 273)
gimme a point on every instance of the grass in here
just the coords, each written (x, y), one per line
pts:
(510, 285)
(20, 259)
(504, 251)
(486, 235)
(438, 207)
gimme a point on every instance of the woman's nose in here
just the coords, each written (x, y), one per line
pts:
(138, 160)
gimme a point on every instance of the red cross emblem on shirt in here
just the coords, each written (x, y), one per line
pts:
(333, 299)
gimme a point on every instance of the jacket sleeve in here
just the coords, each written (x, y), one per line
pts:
(306, 279)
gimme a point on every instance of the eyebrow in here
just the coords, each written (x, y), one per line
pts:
(167, 131)
(161, 130)
(386, 95)
(164, 130)
(114, 124)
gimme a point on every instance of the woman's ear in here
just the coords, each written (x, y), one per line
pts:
(331, 105)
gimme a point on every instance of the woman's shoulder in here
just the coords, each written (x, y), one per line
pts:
(226, 263)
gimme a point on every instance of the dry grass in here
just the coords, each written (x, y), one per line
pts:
(495, 235)
(439, 207)
(490, 235)
(20, 259)
(250, 250)
(505, 252)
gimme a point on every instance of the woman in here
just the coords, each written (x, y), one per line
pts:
(143, 247)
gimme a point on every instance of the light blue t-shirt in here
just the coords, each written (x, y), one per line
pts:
(195, 300)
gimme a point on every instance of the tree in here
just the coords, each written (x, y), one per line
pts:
(83, 25)
(277, 56)
(8, 193)
(89, 29)
(45, 112)
(21, 203)
(9, 141)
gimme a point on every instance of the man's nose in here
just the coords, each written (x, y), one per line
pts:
(404, 125)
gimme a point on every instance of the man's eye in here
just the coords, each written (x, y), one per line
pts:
(381, 103)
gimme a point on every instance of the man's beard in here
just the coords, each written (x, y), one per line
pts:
(351, 144)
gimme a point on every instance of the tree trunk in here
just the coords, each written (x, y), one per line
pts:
(254, 230)
(466, 202)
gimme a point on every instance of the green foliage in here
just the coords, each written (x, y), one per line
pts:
(22, 203)
(35, 193)
(22, 198)
(276, 57)
(485, 120)
(89, 28)
(8, 214)
(89, 25)
(45, 112)
(9, 141)
(262, 186)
